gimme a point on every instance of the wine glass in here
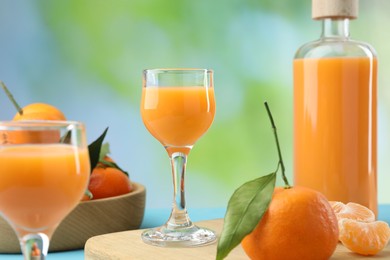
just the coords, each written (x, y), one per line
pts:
(177, 108)
(44, 171)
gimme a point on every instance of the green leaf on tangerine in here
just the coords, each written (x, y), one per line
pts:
(88, 193)
(104, 151)
(245, 209)
(94, 149)
(114, 165)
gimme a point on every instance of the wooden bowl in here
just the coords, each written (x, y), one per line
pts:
(88, 219)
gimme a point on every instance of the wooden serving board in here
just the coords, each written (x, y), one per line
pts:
(128, 245)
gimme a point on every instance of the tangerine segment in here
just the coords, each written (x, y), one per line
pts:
(362, 237)
(352, 211)
(337, 206)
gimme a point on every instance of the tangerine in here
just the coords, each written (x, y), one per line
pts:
(299, 224)
(365, 238)
(35, 111)
(359, 232)
(352, 211)
(39, 111)
(108, 182)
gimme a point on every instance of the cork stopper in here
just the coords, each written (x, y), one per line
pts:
(335, 9)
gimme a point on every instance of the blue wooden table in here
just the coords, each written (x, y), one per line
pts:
(157, 217)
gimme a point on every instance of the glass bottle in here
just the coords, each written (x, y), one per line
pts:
(335, 110)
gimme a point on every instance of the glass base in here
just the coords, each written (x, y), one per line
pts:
(187, 237)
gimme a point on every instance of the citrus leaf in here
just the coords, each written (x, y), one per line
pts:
(94, 149)
(104, 151)
(113, 165)
(245, 209)
(88, 193)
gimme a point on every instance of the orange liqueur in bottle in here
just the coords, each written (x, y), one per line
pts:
(335, 110)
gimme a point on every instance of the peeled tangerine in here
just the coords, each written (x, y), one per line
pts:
(365, 238)
(352, 211)
(358, 230)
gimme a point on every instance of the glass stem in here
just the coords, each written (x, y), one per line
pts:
(34, 246)
(179, 218)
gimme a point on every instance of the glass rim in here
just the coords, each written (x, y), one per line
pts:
(165, 70)
(39, 124)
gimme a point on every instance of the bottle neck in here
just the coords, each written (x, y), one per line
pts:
(335, 28)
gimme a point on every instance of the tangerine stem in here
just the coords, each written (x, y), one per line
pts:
(286, 183)
(11, 97)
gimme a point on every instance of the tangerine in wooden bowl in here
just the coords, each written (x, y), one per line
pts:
(88, 219)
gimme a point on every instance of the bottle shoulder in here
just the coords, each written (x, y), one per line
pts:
(333, 47)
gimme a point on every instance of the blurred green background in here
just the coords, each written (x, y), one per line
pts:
(86, 57)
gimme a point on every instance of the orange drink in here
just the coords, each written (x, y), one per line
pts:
(177, 116)
(44, 171)
(177, 107)
(335, 128)
(40, 184)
